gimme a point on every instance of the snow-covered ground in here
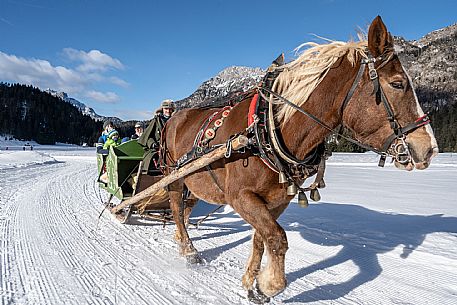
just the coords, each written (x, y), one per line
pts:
(379, 236)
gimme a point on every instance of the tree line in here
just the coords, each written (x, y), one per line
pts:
(27, 113)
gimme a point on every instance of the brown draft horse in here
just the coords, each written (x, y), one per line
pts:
(251, 188)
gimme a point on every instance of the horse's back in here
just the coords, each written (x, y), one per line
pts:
(183, 127)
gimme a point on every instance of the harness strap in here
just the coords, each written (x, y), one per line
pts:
(252, 108)
(289, 103)
(422, 121)
(213, 176)
(353, 87)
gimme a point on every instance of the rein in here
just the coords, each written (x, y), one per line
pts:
(399, 150)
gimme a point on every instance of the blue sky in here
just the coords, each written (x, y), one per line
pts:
(123, 57)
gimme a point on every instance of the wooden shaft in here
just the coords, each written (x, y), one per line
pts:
(237, 143)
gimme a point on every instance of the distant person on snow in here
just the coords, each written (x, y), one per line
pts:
(150, 139)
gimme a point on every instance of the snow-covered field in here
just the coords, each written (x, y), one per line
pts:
(379, 236)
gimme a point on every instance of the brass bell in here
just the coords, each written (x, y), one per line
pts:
(282, 178)
(292, 190)
(302, 200)
(315, 196)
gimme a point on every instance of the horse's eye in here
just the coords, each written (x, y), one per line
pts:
(397, 85)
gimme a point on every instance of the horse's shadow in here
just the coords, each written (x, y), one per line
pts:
(363, 234)
(236, 225)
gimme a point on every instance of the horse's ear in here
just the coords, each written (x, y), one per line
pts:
(379, 40)
(279, 61)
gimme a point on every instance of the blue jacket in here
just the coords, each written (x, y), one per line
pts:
(102, 139)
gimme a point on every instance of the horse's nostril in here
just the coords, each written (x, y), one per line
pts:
(432, 153)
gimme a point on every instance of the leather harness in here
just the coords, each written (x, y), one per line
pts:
(266, 140)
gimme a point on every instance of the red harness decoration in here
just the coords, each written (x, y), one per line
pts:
(207, 132)
(252, 107)
(251, 114)
(423, 120)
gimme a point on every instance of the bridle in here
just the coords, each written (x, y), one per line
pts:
(395, 145)
(396, 142)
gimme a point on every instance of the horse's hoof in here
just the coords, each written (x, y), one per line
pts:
(194, 259)
(257, 297)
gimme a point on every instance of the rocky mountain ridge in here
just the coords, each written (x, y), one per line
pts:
(230, 80)
(82, 107)
(430, 61)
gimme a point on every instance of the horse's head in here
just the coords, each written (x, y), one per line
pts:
(384, 111)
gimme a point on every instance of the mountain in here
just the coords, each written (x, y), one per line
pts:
(230, 80)
(430, 61)
(432, 64)
(82, 107)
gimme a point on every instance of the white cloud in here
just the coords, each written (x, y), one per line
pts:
(103, 97)
(81, 81)
(39, 73)
(94, 60)
(119, 82)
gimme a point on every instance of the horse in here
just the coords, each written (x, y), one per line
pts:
(359, 85)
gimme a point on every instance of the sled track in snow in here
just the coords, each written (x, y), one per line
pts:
(55, 250)
(64, 254)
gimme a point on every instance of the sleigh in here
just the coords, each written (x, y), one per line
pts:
(144, 193)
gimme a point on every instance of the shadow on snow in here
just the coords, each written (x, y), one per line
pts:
(363, 234)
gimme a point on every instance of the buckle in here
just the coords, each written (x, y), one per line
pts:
(373, 73)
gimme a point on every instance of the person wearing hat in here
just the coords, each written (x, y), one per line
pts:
(150, 139)
(108, 126)
(167, 107)
(138, 131)
(113, 139)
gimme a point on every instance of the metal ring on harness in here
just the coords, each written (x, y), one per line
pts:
(228, 152)
(402, 153)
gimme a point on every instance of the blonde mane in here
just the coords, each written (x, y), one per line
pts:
(301, 76)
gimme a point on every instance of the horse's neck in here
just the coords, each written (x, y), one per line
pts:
(301, 134)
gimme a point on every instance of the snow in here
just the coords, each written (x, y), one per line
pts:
(379, 236)
(12, 159)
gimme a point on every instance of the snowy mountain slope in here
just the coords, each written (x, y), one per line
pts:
(229, 80)
(430, 61)
(380, 236)
(81, 106)
(432, 65)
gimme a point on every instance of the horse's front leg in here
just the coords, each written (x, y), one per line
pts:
(252, 208)
(190, 204)
(186, 248)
